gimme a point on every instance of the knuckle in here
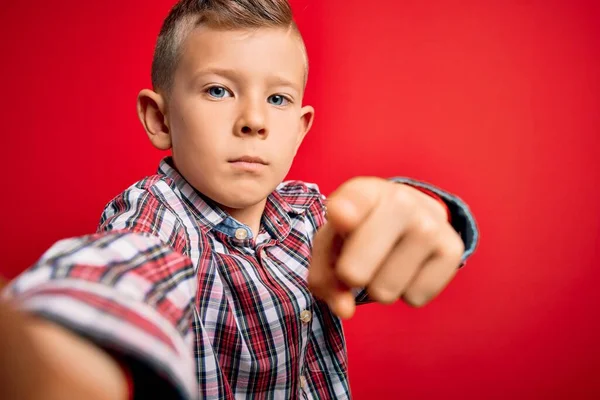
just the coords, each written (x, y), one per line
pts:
(383, 295)
(416, 300)
(427, 227)
(419, 296)
(453, 249)
(351, 277)
(401, 198)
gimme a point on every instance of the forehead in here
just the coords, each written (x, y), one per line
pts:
(252, 53)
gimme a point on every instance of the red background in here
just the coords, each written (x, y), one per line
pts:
(495, 101)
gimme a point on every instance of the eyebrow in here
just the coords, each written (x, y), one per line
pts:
(278, 80)
(232, 74)
(225, 72)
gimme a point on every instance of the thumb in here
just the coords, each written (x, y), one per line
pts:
(352, 202)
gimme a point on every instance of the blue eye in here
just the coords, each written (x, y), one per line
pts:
(218, 92)
(278, 100)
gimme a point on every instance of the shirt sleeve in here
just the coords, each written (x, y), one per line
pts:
(138, 210)
(129, 293)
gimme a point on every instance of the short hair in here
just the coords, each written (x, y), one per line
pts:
(186, 15)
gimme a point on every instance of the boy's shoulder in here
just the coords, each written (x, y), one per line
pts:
(157, 185)
(300, 195)
(152, 182)
(297, 188)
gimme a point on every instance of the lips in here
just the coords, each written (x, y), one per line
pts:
(249, 159)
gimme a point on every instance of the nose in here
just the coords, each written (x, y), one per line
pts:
(252, 119)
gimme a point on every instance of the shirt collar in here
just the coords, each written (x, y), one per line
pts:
(205, 210)
(287, 200)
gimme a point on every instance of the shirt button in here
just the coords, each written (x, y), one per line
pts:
(241, 233)
(303, 382)
(305, 316)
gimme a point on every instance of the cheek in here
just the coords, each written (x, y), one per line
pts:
(198, 129)
(286, 127)
(285, 146)
(285, 150)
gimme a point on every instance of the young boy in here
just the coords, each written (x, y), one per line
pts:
(212, 278)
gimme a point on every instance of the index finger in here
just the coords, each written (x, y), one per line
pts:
(322, 281)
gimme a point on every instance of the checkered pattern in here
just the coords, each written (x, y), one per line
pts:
(217, 317)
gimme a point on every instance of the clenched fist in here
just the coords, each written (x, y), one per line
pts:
(389, 238)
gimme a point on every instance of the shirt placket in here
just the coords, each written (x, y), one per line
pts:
(305, 317)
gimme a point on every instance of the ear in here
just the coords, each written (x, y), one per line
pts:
(307, 116)
(151, 109)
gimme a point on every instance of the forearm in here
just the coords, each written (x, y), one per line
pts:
(39, 359)
(123, 292)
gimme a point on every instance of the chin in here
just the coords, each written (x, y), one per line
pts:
(240, 199)
(242, 193)
(241, 204)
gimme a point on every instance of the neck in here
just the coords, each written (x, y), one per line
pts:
(249, 216)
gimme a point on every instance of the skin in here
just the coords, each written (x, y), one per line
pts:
(41, 360)
(237, 94)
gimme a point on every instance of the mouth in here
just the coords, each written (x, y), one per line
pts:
(249, 160)
(248, 164)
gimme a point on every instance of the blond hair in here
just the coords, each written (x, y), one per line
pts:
(186, 15)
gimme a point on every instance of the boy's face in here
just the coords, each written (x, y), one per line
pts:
(234, 117)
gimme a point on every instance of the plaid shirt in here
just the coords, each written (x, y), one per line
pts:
(176, 286)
